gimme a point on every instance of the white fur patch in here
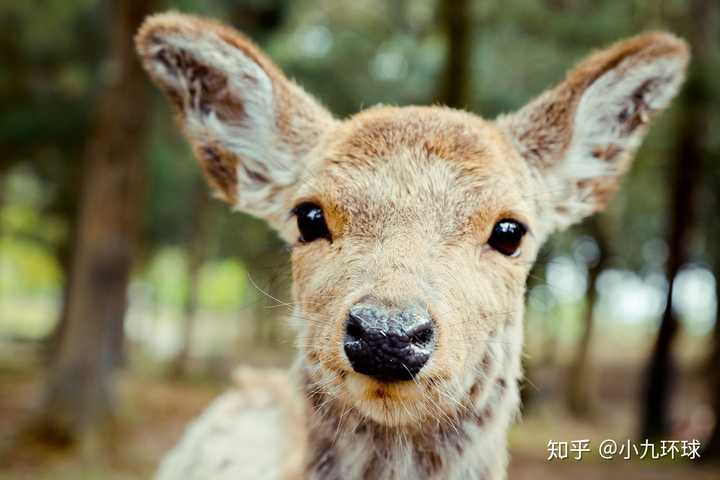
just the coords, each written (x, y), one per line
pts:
(236, 437)
(609, 124)
(597, 120)
(622, 92)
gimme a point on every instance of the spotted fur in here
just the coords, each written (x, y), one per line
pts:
(465, 442)
(410, 196)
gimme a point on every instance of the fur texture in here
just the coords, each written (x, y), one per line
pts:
(410, 196)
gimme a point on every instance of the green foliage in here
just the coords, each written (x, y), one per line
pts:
(27, 269)
(222, 285)
(47, 32)
(27, 266)
(166, 273)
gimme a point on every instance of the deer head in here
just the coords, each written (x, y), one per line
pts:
(413, 229)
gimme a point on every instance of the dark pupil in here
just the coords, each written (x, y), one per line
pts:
(506, 236)
(311, 222)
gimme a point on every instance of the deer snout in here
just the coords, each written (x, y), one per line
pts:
(388, 344)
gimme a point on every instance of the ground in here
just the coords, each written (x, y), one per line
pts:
(155, 411)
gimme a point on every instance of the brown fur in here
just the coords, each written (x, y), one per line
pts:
(410, 196)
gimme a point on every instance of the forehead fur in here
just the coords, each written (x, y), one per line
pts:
(417, 161)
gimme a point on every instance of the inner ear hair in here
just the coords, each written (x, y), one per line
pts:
(218, 82)
(580, 136)
(543, 128)
(250, 127)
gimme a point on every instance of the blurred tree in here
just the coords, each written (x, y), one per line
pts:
(711, 169)
(712, 447)
(455, 22)
(691, 132)
(45, 91)
(200, 218)
(537, 276)
(259, 19)
(65, 206)
(711, 450)
(579, 393)
(79, 395)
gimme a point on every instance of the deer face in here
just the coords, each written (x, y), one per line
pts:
(415, 235)
(413, 229)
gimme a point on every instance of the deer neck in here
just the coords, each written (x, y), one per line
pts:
(344, 444)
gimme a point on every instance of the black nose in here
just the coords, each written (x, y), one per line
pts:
(388, 344)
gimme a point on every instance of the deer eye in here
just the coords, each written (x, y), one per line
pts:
(506, 236)
(311, 222)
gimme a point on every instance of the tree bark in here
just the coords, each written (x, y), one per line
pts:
(78, 397)
(196, 256)
(692, 127)
(456, 22)
(64, 254)
(661, 369)
(579, 395)
(528, 391)
(711, 451)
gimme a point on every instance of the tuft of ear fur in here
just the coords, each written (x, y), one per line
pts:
(249, 126)
(580, 136)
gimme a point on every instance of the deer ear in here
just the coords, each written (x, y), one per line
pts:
(580, 136)
(250, 127)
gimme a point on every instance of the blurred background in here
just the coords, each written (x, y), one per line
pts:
(128, 294)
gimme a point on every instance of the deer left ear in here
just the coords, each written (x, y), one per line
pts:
(251, 128)
(580, 136)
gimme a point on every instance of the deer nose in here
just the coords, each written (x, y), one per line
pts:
(388, 344)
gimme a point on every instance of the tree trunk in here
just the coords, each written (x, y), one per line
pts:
(579, 395)
(64, 254)
(79, 396)
(528, 391)
(711, 451)
(692, 127)
(528, 388)
(196, 256)
(456, 22)
(258, 19)
(661, 368)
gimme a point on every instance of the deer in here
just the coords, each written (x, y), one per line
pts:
(412, 232)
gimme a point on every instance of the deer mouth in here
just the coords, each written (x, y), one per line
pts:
(394, 404)
(369, 389)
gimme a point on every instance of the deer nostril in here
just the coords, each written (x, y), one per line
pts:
(422, 335)
(353, 330)
(389, 345)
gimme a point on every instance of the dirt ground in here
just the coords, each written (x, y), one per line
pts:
(155, 412)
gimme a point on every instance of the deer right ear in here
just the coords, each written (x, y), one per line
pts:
(250, 127)
(579, 137)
